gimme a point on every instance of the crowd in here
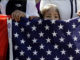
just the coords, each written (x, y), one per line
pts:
(21, 8)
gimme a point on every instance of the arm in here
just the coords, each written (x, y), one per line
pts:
(3, 4)
(31, 8)
(31, 11)
(78, 7)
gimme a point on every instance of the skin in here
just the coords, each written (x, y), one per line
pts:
(51, 15)
(37, 1)
(17, 14)
(78, 13)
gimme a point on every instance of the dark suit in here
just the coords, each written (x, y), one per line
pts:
(13, 5)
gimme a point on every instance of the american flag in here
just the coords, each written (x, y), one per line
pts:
(40, 39)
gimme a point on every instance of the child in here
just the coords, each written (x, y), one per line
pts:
(50, 12)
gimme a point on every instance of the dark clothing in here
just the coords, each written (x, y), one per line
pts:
(13, 5)
(0, 11)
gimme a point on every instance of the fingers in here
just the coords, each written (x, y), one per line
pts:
(17, 15)
(31, 17)
(78, 13)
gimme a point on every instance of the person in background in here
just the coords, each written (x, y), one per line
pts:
(19, 8)
(3, 6)
(38, 8)
(67, 8)
(0, 11)
(38, 4)
(50, 12)
(0, 6)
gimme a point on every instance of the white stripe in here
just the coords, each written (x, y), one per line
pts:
(9, 23)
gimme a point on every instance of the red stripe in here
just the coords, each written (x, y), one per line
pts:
(3, 37)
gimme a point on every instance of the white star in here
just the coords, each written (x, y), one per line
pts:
(68, 32)
(16, 35)
(63, 52)
(28, 23)
(75, 38)
(70, 58)
(70, 45)
(53, 21)
(49, 52)
(48, 40)
(34, 28)
(55, 46)
(21, 53)
(67, 21)
(40, 21)
(29, 47)
(74, 26)
(16, 47)
(22, 29)
(60, 26)
(28, 35)
(41, 46)
(34, 40)
(35, 52)
(41, 34)
(77, 51)
(22, 41)
(79, 32)
(79, 20)
(42, 58)
(16, 23)
(16, 59)
(28, 58)
(47, 27)
(61, 39)
(54, 34)
(56, 58)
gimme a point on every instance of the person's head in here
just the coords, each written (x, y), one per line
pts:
(50, 12)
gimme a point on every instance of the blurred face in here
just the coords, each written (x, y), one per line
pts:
(51, 15)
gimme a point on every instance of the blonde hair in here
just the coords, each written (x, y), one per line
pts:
(48, 7)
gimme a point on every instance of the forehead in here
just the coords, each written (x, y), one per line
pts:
(51, 11)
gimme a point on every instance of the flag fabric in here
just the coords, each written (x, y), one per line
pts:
(40, 39)
(9, 23)
(3, 37)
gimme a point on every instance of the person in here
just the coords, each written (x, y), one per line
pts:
(50, 12)
(67, 8)
(19, 8)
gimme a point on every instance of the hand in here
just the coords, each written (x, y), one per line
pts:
(78, 13)
(31, 17)
(17, 14)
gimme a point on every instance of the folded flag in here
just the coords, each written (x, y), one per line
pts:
(40, 39)
(3, 37)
